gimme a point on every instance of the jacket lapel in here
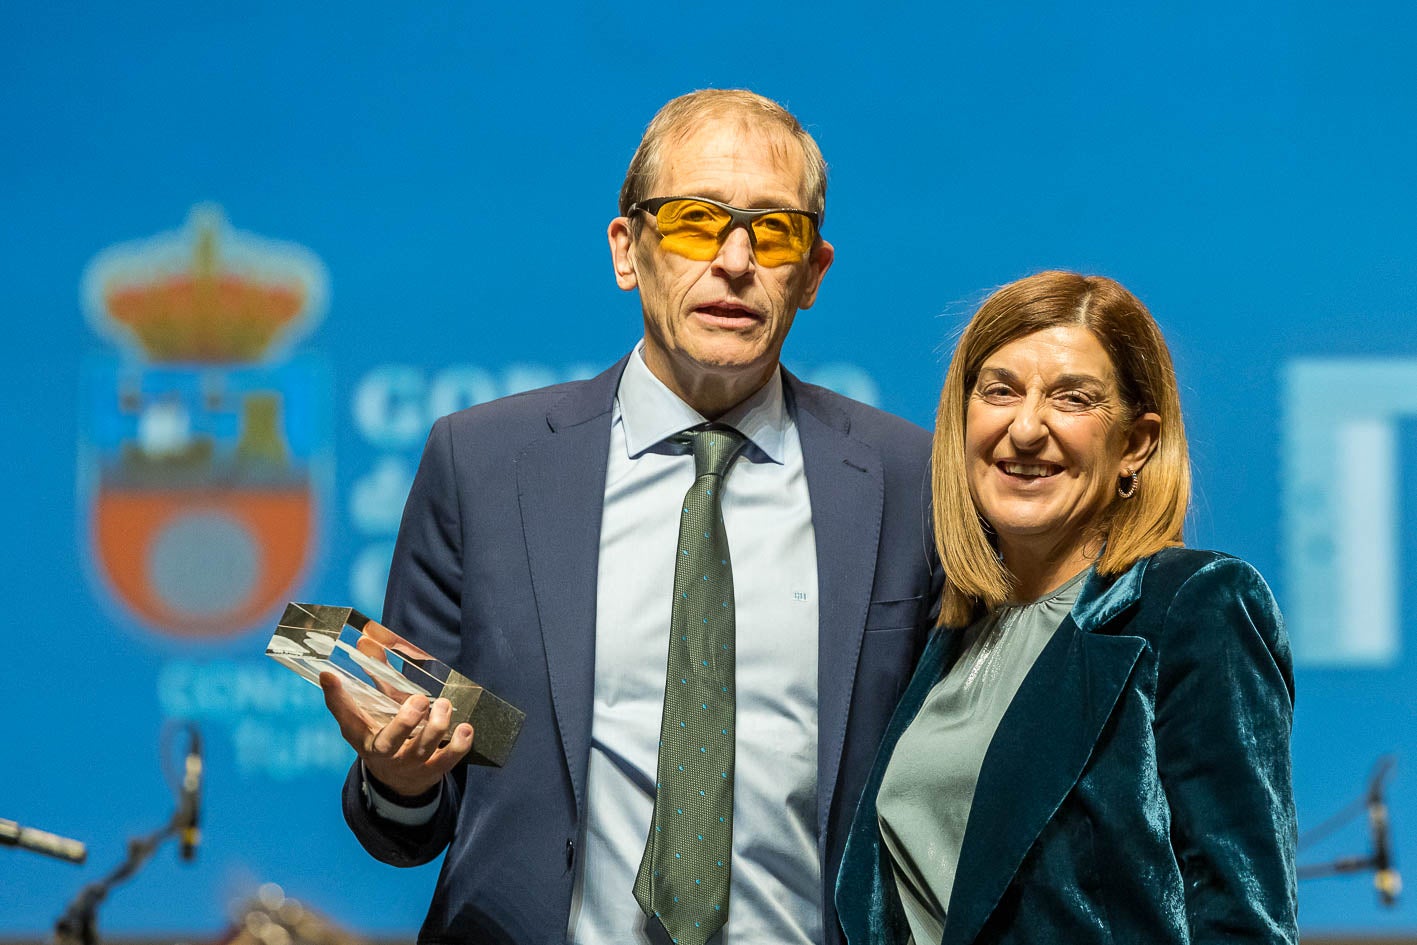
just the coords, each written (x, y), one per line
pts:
(1043, 741)
(561, 493)
(847, 489)
(868, 904)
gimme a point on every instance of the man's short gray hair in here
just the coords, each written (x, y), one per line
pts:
(755, 112)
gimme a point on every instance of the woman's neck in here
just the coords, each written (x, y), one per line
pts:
(1036, 571)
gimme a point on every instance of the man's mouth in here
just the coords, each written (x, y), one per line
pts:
(1029, 470)
(727, 313)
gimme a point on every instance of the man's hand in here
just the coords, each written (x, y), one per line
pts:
(402, 754)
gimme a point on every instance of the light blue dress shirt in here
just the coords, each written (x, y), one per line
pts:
(776, 893)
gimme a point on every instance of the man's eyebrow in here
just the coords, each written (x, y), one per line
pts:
(767, 203)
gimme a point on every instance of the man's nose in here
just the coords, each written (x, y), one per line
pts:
(735, 257)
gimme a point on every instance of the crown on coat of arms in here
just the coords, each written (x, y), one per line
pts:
(207, 296)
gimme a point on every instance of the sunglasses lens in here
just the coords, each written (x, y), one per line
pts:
(691, 228)
(696, 230)
(782, 238)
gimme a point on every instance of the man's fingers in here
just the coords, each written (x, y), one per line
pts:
(451, 753)
(392, 738)
(410, 772)
(354, 727)
(404, 753)
(426, 741)
(461, 742)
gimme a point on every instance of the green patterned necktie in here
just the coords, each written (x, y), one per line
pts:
(683, 878)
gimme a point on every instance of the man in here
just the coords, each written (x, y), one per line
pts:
(550, 550)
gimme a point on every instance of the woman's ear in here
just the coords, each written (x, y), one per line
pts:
(1142, 441)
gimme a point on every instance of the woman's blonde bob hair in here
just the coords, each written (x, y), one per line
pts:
(1152, 519)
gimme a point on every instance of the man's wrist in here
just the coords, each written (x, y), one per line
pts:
(400, 808)
(400, 798)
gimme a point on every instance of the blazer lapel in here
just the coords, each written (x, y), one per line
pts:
(1041, 747)
(561, 492)
(868, 904)
(847, 489)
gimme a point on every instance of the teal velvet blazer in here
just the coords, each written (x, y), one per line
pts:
(1137, 789)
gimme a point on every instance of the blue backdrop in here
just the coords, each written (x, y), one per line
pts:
(250, 251)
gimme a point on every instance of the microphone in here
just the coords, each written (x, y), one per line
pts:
(189, 808)
(1385, 877)
(40, 841)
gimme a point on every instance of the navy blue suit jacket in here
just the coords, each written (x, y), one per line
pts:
(495, 573)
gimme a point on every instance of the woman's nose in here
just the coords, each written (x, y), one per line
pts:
(1028, 430)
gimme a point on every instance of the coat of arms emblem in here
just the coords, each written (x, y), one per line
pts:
(203, 439)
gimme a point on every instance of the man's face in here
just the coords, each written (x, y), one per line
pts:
(714, 328)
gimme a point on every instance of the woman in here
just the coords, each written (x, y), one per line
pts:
(1095, 746)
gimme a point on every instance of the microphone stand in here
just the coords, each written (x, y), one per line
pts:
(1379, 862)
(1338, 867)
(79, 923)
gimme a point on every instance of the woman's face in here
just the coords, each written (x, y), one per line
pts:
(1046, 441)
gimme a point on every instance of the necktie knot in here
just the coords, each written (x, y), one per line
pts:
(714, 449)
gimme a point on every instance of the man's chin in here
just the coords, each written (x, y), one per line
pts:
(733, 364)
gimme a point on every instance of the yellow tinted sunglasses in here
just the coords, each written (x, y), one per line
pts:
(696, 228)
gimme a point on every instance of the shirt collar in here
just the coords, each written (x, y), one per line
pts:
(651, 413)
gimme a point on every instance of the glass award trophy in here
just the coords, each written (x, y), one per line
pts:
(380, 669)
